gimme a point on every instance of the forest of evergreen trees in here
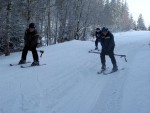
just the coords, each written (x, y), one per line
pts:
(60, 20)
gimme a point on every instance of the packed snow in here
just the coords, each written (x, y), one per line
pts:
(69, 83)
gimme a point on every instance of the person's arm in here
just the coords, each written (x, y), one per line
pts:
(111, 42)
(96, 35)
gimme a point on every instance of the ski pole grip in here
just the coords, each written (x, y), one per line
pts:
(125, 59)
(41, 51)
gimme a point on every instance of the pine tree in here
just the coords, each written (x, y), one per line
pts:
(134, 25)
(8, 28)
(149, 28)
(108, 19)
(140, 23)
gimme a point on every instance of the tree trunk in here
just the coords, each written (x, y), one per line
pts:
(8, 27)
(29, 12)
(56, 35)
(49, 26)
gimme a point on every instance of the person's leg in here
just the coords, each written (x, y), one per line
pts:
(96, 44)
(24, 55)
(35, 56)
(102, 56)
(113, 60)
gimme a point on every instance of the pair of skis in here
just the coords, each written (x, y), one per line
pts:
(106, 73)
(25, 66)
(110, 72)
(31, 66)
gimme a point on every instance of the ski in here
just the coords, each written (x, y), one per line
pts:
(102, 71)
(16, 64)
(107, 73)
(93, 50)
(99, 52)
(31, 66)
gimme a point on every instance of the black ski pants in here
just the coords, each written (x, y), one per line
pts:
(33, 50)
(110, 53)
(96, 42)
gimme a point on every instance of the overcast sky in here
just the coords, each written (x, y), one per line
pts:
(140, 6)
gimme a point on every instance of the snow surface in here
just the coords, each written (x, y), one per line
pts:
(69, 83)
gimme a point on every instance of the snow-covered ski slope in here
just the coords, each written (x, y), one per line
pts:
(69, 83)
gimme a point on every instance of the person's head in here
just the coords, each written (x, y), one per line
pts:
(31, 27)
(97, 29)
(104, 30)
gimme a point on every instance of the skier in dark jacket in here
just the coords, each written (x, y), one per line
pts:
(108, 45)
(31, 40)
(98, 37)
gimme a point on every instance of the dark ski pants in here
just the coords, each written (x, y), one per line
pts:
(96, 42)
(110, 54)
(34, 53)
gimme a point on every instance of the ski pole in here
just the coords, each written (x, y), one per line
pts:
(114, 54)
(41, 51)
(121, 56)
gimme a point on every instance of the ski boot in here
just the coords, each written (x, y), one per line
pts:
(115, 68)
(103, 67)
(96, 48)
(22, 61)
(35, 63)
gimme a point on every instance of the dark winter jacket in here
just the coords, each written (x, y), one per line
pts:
(98, 34)
(107, 41)
(31, 38)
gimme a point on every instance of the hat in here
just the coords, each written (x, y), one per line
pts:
(31, 25)
(97, 28)
(104, 29)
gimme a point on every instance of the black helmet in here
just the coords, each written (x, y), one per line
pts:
(97, 28)
(104, 29)
(31, 25)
